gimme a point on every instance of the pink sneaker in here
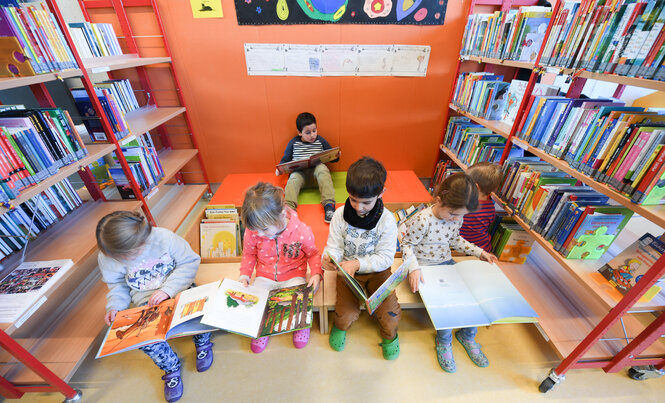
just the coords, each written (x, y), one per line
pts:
(300, 338)
(260, 344)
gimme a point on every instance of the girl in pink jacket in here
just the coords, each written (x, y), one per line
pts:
(279, 246)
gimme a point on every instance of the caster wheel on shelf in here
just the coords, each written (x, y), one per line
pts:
(637, 375)
(77, 398)
(546, 385)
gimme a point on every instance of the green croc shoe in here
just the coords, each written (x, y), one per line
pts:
(446, 364)
(469, 345)
(390, 348)
(337, 339)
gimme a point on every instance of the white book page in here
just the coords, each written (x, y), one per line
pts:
(236, 308)
(192, 302)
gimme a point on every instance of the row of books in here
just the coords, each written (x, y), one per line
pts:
(24, 222)
(94, 40)
(513, 34)
(474, 143)
(624, 37)
(621, 146)
(117, 98)
(485, 95)
(34, 144)
(143, 161)
(576, 220)
(510, 243)
(220, 232)
(38, 35)
(443, 169)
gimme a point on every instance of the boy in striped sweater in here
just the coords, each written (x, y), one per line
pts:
(476, 224)
(303, 146)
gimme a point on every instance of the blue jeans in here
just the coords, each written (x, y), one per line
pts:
(445, 336)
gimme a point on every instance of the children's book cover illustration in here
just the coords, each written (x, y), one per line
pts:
(373, 301)
(316, 159)
(144, 325)
(255, 312)
(23, 286)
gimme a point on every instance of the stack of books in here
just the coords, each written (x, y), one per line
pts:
(510, 243)
(614, 144)
(143, 161)
(25, 221)
(94, 40)
(37, 34)
(117, 98)
(576, 220)
(474, 143)
(624, 37)
(220, 232)
(34, 144)
(513, 34)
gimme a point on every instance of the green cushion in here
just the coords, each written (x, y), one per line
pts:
(312, 195)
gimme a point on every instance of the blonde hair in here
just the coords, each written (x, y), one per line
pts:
(263, 206)
(121, 233)
(487, 176)
(457, 191)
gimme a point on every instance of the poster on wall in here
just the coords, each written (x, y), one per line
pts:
(287, 12)
(266, 59)
(207, 8)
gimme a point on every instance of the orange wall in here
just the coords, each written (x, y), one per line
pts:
(243, 123)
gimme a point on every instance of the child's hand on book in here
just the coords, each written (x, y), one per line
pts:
(157, 298)
(415, 278)
(488, 257)
(110, 316)
(350, 266)
(314, 282)
(327, 264)
(244, 281)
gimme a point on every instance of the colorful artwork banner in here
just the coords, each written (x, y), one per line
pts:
(286, 12)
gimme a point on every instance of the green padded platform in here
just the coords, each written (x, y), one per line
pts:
(312, 195)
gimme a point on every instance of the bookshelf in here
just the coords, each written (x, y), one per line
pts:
(579, 318)
(63, 329)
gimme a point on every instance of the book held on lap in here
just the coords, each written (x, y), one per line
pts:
(373, 301)
(471, 293)
(316, 159)
(256, 312)
(144, 325)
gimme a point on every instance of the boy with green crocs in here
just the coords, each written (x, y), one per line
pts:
(363, 238)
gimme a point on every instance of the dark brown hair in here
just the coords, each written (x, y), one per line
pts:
(121, 233)
(487, 176)
(263, 206)
(457, 191)
(366, 178)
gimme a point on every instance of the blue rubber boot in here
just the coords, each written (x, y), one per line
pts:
(172, 386)
(204, 357)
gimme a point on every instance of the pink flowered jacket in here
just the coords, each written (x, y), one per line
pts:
(284, 257)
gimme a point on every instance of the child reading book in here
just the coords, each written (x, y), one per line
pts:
(279, 246)
(429, 237)
(301, 147)
(475, 227)
(145, 265)
(363, 239)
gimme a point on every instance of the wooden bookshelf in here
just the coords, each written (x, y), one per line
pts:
(176, 202)
(496, 126)
(499, 62)
(612, 78)
(656, 214)
(95, 151)
(148, 118)
(110, 63)
(16, 82)
(453, 157)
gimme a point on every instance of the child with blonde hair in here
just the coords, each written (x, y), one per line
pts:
(145, 265)
(429, 237)
(279, 246)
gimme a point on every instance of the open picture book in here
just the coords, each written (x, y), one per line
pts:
(471, 293)
(256, 312)
(373, 301)
(175, 317)
(314, 160)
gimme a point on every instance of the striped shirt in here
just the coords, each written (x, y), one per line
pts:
(299, 150)
(476, 225)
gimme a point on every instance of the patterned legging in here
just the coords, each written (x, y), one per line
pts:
(165, 358)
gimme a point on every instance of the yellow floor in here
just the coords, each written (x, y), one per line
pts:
(519, 359)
